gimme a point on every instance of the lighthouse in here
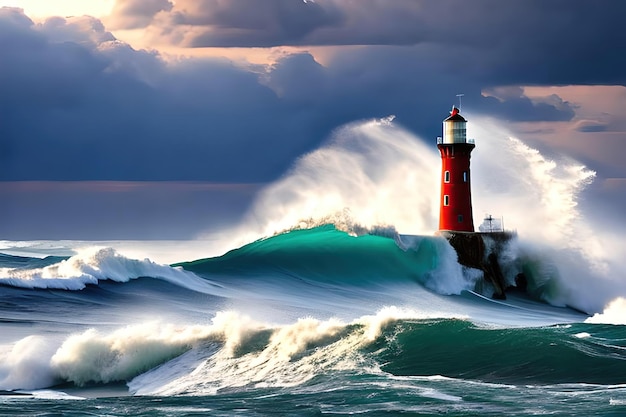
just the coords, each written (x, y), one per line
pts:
(478, 250)
(455, 207)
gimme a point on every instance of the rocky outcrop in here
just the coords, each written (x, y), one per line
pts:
(472, 251)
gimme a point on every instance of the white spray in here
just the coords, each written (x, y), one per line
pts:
(370, 173)
(376, 173)
(288, 355)
(539, 197)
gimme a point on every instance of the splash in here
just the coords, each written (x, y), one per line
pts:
(369, 174)
(233, 350)
(375, 175)
(575, 255)
(91, 265)
(283, 356)
(92, 357)
(26, 365)
(539, 196)
(614, 313)
(96, 357)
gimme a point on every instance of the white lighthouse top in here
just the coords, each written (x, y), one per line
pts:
(454, 128)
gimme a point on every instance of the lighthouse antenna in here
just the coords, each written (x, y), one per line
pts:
(459, 96)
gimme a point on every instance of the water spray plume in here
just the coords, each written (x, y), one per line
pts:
(374, 174)
(368, 174)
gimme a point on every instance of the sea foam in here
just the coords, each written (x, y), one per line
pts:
(91, 265)
(233, 350)
(279, 356)
(98, 357)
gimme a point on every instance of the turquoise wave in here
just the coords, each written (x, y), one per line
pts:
(326, 254)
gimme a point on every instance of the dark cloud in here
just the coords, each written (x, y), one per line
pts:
(378, 81)
(246, 23)
(78, 104)
(511, 104)
(250, 23)
(527, 42)
(523, 109)
(105, 111)
(555, 42)
(590, 126)
(133, 14)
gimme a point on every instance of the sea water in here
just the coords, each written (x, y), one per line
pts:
(333, 297)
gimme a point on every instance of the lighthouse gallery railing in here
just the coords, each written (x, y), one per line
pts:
(440, 141)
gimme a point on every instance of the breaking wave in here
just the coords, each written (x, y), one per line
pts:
(238, 351)
(88, 267)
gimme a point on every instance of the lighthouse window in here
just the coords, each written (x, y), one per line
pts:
(460, 218)
(464, 176)
(446, 200)
(446, 176)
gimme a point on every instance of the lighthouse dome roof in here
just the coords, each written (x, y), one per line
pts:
(455, 116)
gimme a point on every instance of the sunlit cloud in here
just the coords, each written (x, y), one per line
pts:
(63, 8)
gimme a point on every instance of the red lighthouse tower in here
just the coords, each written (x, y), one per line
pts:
(455, 212)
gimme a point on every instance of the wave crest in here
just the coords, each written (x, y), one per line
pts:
(614, 313)
(92, 265)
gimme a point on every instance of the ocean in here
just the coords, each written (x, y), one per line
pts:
(333, 297)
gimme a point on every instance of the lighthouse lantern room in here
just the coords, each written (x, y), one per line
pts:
(455, 212)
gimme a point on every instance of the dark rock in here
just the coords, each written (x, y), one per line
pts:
(521, 282)
(470, 248)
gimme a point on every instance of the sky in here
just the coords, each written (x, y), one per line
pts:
(159, 119)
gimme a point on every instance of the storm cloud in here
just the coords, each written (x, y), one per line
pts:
(78, 104)
(133, 14)
(101, 110)
(559, 41)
